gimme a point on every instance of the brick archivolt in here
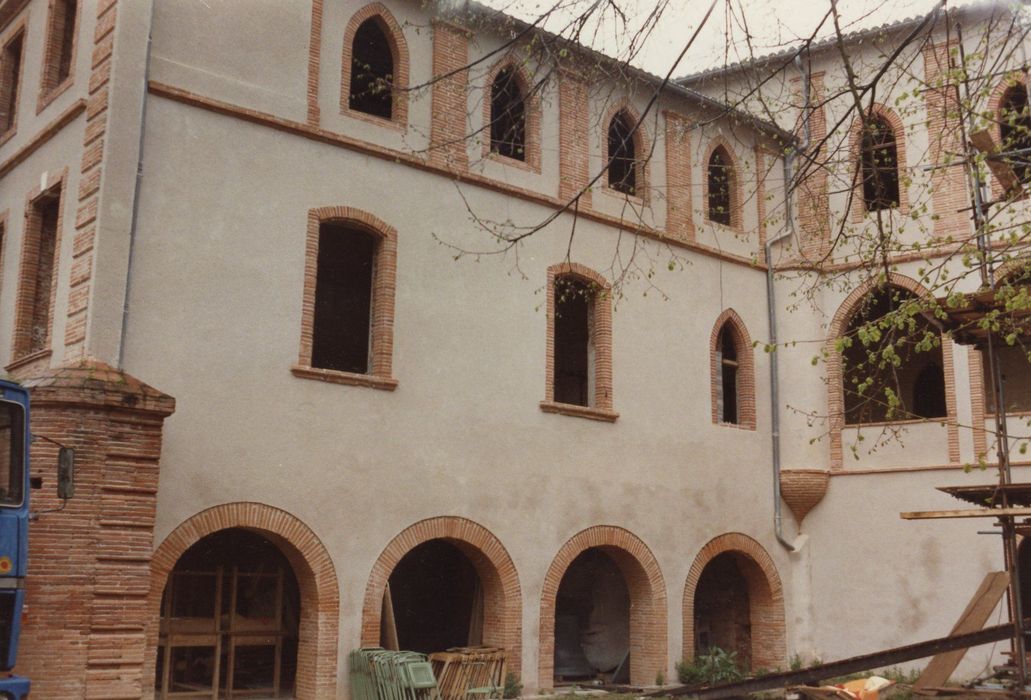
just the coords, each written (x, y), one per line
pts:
(502, 595)
(311, 563)
(765, 597)
(648, 653)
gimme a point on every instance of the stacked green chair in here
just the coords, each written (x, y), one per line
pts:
(378, 674)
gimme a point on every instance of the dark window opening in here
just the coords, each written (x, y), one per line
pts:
(592, 620)
(12, 455)
(722, 610)
(229, 620)
(372, 71)
(879, 165)
(10, 76)
(719, 175)
(435, 599)
(507, 116)
(1013, 360)
(1015, 131)
(60, 43)
(343, 299)
(574, 301)
(622, 154)
(46, 212)
(893, 366)
(728, 367)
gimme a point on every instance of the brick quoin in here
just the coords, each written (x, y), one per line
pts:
(765, 597)
(502, 595)
(648, 648)
(316, 576)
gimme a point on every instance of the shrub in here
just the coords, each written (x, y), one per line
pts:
(714, 666)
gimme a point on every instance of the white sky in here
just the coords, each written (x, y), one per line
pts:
(773, 24)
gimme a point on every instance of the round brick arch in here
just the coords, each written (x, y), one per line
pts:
(316, 577)
(648, 653)
(765, 597)
(502, 595)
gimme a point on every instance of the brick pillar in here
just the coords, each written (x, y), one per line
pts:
(679, 217)
(948, 182)
(760, 199)
(449, 103)
(813, 207)
(573, 138)
(89, 564)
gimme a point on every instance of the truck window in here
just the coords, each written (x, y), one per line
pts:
(12, 453)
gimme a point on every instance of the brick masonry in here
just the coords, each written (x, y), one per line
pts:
(813, 204)
(948, 186)
(802, 489)
(765, 597)
(449, 106)
(679, 212)
(573, 140)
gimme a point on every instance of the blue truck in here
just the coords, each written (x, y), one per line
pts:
(15, 485)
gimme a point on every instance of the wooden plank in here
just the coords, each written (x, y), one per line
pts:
(1001, 169)
(970, 513)
(388, 624)
(988, 595)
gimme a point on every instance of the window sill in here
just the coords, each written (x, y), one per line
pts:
(7, 135)
(527, 165)
(908, 421)
(26, 360)
(733, 226)
(619, 194)
(391, 123)
(337, 377)
(738, 426)
(569, 409)
(50, 95)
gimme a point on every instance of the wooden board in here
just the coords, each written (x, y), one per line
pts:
(970, 513)
(988, 595)
(1001, 169)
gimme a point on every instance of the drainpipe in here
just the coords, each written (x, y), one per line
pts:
(136, 190)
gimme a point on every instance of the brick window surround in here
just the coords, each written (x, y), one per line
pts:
(640, 569)
(52, 83)
(12, 65)
(502, 595)
(383, 288)
(399, 52)
(855, 144)
(730, 320)
(765, 597)
(834, 371)
(24, 349)
(531, 112)
(311, 563)
(642, 144)
(732, 170)
(995, 103)
(600, 338)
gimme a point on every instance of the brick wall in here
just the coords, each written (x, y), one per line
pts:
(948, 184)
(449, 108)
(679, 215)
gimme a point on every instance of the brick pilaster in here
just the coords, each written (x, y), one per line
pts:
(450, 90)
(948, 183)
(679, 216)
(813, 205)
(573, 138)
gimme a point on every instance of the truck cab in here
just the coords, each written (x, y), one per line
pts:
(14, 540)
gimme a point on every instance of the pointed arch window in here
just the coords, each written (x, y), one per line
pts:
(622, 153)
(508, 115)
(372, 70)
(727, 380)
(879, 165)
(1015, 130)
(720, 180)
(732, 371)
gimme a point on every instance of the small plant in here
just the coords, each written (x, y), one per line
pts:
(710, 668)
(660, 678)
(513, 687)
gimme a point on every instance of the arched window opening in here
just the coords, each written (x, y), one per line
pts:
(574, 350)
(372, 71)
(341, 337)
(434, 600)
(622, 154)
(892, 361)
(723, 611)
(1014, 360)
(1015, 130)
(592, 620)
(507, 115)
(229, 620)
(727, 363)
(720, 183)
(879, 165)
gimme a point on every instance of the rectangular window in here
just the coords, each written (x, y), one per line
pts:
(10, 76)
(572, 342)
(39, 260)
(60, 44)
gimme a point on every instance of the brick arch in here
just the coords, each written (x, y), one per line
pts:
(1008, 82)
(641, 146)
(312, 565)
(855, 142)
(745, 372)
(531, 105)
(502, 595)
(835, 391)
(648, 653)
(736, 198)
(399, 51)
(1014, 266)
(765, 594)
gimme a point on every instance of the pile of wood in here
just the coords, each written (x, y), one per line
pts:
(469, 673)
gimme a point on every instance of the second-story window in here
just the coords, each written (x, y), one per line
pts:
(879, 165)
(38, 274)
(574, 356)
(720, 182)
(60, 44)
(622, 153)
(727, 389)
(10, 77)
(372, 71)
(507, 116)
(1015, 131)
